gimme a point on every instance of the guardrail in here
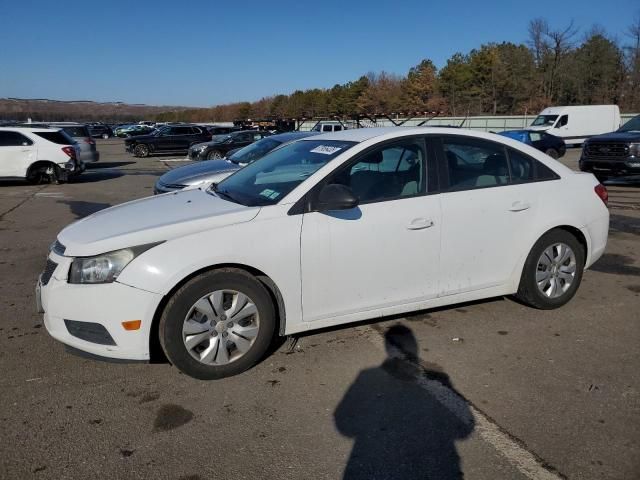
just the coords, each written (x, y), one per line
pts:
(487, 123)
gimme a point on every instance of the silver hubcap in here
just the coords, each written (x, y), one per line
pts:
(556, 270)
(215, 155)
(221, 327)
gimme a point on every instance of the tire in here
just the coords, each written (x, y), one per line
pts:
(141, 150)
(105, 136)
(214, 155)
(553, 153)
(538, 269)
(251, 331)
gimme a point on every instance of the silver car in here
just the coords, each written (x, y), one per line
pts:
(214, 171)
(80, 133)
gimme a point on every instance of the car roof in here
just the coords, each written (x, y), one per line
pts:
(31, 129)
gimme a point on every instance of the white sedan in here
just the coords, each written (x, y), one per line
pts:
(327, 230)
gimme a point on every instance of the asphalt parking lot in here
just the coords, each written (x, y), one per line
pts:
(485, 390)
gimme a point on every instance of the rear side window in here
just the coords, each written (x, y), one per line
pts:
(55, 137)
(475, 163)
(76, 131)
(527, 169)
(13, 139)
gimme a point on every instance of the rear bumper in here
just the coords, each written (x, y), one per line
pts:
(597, 234)
(614, 168)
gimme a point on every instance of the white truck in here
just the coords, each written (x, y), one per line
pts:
(575, 124)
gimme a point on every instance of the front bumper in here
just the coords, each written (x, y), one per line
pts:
(197, 155)
(613, 168)
(107, 305)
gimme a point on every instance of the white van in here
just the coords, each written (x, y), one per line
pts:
(328, 126)
(575, 124)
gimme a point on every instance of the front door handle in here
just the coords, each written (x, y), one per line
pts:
(420, 223)
(519, 206)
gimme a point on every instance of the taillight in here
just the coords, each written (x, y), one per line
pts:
(70, 151)
(601, 191)
(90, 141)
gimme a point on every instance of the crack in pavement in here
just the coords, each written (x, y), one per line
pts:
(15, 207)
(513, 449)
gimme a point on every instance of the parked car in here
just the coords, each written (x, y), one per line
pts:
(219, 130)
(213, 171)
(327, 230)
(328, 126)
(613, 154)
(38, 154)
(168, 139)
(219, 145)
(577, 123)
(88, 153)
(549, 144)
(133, 131)
(100, 130)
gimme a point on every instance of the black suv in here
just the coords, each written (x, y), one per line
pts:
(220, 145)
(99, 130)
(613, 154)
(168, 139)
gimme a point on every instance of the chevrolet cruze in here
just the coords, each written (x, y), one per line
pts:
(327, 230)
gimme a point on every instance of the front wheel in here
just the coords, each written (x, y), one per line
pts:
(105, 136)
(141, 151)
(214, 155)
(553, 271)
(553, 153)
(218, 324)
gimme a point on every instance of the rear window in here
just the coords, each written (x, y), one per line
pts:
(56, 137)
(76, 131)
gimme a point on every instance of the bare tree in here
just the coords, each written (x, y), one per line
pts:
(537, 42)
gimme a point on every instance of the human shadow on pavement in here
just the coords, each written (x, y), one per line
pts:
(400, 429)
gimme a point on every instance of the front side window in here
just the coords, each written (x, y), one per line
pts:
(386, 173)
(269, 179)
(564, 119)
(327, 128)
(13, 139)
(473, 163)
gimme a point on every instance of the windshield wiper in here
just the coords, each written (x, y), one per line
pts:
(224, 194)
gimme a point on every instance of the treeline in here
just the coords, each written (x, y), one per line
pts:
(554, 67)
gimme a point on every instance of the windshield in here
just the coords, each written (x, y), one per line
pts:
(544, 120)
(253, 152)
(269, 179)
(632, 125)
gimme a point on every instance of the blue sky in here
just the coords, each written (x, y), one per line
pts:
(203, 53)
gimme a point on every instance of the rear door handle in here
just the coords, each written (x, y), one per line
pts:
(519, 206)
(420, 223)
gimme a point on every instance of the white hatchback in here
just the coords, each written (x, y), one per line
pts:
(327, 230)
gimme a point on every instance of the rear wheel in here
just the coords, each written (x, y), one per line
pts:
(214, 155)
(553, 271)
(141, 151)
(45, 173)
(105, 135)
(218, 324)
(553, 153)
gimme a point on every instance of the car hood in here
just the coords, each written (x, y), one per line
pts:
(617, 137)
(197, 172)
(151, 219)
(538, 128)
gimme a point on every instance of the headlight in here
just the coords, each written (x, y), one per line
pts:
(104, 268)
(200, 148)
(634, 149)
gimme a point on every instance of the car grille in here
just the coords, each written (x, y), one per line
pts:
(48, 271)
(606, 150)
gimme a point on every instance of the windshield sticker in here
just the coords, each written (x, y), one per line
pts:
(325, 149)
(271, 194)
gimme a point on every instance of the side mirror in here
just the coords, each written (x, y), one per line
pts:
(336, 197)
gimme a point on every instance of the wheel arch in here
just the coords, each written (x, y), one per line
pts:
(38, 164)
(573, 230)
(156, 353)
